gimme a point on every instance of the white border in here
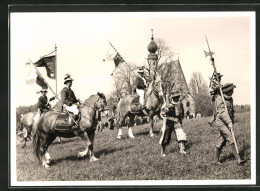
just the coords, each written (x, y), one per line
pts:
(251, 14)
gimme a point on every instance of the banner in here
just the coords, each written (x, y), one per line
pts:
(49, 62)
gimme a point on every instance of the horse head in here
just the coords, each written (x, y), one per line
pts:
(101, 103)
(156, 85)
(97, 102)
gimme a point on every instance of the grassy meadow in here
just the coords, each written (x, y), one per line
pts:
(139, 158)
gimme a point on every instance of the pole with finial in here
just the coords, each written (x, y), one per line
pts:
(220, 89)
(56, 67)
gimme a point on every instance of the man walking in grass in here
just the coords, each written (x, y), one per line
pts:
(224, 121)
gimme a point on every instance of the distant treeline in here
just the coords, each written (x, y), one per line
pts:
(242, 108)
(25, 109)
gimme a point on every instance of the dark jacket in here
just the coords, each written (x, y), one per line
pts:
(68, 96)
(139, 83)
(230, 107)
(42, 104)
(174, 111)
(222, 117)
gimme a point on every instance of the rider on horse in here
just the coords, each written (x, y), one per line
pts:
(68, 99)
(140, 86)
(43, 104)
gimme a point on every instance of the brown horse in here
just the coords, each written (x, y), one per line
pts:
(26, 124)
(45, 133)
(153, 101)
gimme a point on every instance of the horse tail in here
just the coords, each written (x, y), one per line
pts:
(36, 143)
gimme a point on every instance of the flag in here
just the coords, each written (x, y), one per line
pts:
(32, 77)
(40, 81)
(111, 54)
(49, 62)
(208, 53)
(118, 59)
(31, 74)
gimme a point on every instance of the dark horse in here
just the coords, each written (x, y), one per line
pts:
(45, 133)
(153, 94)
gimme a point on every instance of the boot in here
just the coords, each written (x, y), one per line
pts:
(217, 154)
(182, 148)
(238, 159)
(163, 154)
(76, 125)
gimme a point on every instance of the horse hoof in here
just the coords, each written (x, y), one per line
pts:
(132, 137)
(151, 134)
(163, 155)
(93, 159)
(118, 137)
(45, 165)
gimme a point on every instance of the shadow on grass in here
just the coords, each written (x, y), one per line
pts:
(190, 143)
(97, 154)
(242, 151)
(156, 132)
(111, 150)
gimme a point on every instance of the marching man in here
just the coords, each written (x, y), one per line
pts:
(173, 115)
(69, 100)
(224, 122)
(140, 86)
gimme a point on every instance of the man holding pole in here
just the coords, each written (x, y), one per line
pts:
(224, 122)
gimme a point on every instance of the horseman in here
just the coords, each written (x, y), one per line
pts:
(43, 104)
(174, 114)
(68, 99)
(140, 86)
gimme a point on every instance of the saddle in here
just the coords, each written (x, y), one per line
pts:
(63, 123)
(135, 106)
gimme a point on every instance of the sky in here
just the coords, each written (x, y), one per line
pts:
(82, 41)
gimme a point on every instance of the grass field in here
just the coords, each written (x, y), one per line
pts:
(139, 158)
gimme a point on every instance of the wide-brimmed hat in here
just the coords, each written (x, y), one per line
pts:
(67, 78)
(140, 70)
(227, 87)
(43, 90)
(175, 93)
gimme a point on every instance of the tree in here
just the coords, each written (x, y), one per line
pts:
(199, 90)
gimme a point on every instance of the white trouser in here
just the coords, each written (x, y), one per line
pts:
(37, 116)
(140, 92)
(73, 109)
(180, 134)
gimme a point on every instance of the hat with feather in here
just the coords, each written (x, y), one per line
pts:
(67, 78)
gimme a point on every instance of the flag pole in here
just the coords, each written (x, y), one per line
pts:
(117, 51)
(221, 92)
(55, 95)
(56, 68)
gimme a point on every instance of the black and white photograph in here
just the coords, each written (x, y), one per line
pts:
(132, 98)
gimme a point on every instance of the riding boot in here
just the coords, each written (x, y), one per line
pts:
(238, 159)
(217, 154)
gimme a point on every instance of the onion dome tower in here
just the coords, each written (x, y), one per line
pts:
(152, 57)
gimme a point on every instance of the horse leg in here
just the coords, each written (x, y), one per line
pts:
(119, 125)
(131, 122)
(49, 140)
(42, 149)
(91, 147)
(151, 121)
(85, 138)
(59, 139)
(25, 134)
